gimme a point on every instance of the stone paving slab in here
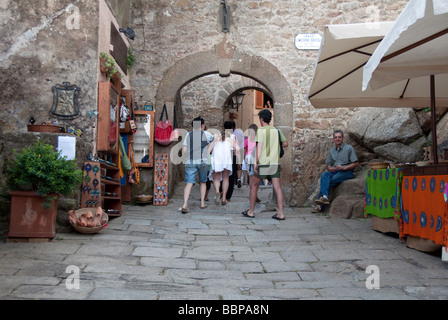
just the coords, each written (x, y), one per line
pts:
(158, 253)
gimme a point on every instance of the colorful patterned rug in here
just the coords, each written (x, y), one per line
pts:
(383, 192)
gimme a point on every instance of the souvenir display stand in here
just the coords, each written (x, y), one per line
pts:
(161, 165)
(414, 196)
(103, 181)
(101, 187)
(382, 194)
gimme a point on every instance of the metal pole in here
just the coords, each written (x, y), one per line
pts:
(435, 154)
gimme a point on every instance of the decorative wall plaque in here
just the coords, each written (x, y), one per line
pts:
(65, 101)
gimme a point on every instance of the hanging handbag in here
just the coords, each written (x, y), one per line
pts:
(162, 133)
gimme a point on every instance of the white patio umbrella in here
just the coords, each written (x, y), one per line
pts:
(415, 50)
(337, 81)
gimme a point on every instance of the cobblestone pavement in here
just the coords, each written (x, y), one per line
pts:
(216, 253)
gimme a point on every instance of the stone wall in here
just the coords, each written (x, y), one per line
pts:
(178, 33)
(207, 97)
(46, 43)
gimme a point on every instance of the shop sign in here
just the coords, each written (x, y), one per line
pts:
(308, 41)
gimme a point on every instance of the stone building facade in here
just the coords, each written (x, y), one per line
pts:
(46, 42)
(184, 41)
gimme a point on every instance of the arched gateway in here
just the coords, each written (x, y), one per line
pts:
(225, 60)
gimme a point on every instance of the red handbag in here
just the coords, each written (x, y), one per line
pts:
(162, 134)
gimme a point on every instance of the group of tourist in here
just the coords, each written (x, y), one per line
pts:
(220, 159)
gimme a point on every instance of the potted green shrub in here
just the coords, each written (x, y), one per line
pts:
(37, 176)
(107, 65)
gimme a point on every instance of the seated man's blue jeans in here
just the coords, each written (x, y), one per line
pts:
(332, 179)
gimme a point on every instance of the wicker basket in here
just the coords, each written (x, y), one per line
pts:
(144, 198)
(378, 165)
(89, 230)
(401, 165)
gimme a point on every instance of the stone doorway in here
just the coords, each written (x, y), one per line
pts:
(212, 97)
(226, 60)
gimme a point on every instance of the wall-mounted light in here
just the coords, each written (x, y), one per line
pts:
(238, 99)
(129, 32)
(225, 16)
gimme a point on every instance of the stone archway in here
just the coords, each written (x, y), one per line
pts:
(224, 60)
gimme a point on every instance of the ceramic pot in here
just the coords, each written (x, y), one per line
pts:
(28, 219)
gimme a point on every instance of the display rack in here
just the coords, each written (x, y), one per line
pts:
(101, 187)
(126, 132)
(161, 165)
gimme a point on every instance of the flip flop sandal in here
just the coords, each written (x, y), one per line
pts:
(277, 218)
(244, 213)
(203, 207)
(184, 210)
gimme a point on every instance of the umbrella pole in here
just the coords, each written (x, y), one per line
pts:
(435, 155)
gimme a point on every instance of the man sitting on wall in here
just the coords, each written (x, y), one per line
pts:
(341, 162)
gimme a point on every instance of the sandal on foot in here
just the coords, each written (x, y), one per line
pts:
(244, 213)
(204, 206)
(217, 198)
(184, 210)
(277, 218)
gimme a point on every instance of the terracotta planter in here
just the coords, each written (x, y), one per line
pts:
(28, 219)
(103, 67)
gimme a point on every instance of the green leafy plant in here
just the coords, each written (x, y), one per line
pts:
(108, 66)
(44, 170)
(130, 59)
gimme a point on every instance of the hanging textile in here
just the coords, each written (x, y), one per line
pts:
(382, 192)
(423, 208)
(124, 163)
(135, 178)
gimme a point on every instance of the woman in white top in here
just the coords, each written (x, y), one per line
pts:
(222, 149)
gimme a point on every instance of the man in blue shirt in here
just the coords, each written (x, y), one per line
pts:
(341, 161)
